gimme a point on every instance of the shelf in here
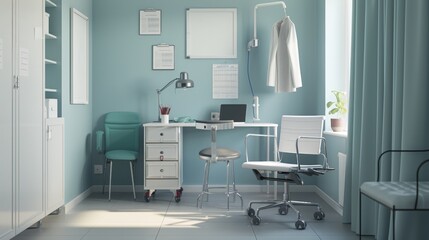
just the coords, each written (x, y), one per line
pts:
(49, 3)
(48, 61)
(51, 90)
(50, 36)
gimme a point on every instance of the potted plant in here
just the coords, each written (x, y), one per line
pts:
(338, 108)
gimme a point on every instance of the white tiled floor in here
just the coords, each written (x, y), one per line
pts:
(163, 219)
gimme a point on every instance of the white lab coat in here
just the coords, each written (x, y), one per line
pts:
(284, 71)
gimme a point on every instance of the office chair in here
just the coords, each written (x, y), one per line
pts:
(214, 154)
(121, 137)
(299, 135)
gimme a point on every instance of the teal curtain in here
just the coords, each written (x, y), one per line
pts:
(389, 96)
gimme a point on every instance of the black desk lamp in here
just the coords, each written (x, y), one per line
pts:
(182, 82)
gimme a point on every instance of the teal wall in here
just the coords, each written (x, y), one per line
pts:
(123, 78)
(78, 118)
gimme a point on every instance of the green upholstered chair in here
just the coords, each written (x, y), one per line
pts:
(121, 142)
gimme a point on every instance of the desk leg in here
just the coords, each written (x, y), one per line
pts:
(275, 159)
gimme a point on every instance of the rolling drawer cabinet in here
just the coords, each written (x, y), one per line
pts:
(162, 159)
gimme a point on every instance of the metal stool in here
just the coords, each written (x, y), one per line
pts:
(214, 154)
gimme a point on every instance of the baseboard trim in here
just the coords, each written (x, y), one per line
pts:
(73, 203)
(331, 202)
(197, 188)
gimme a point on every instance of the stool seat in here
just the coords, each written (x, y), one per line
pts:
(221, 153)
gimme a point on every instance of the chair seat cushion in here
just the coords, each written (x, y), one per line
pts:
(277, 166)
(222, 154)
(402, 195)
(122, 155)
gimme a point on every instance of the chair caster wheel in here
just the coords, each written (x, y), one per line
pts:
(256, 220)
(283, 210)
(300, 224)
(250, 212)
(319, 215)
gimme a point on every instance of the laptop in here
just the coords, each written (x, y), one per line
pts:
(235, 112)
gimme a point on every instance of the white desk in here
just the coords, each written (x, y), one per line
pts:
(163, 154)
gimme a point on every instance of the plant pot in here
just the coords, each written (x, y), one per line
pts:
(338, 125)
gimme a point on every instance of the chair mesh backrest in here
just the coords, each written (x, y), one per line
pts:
(293, 127)
(122, 131)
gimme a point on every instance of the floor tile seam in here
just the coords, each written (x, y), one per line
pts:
(315, 232)
(163, 218)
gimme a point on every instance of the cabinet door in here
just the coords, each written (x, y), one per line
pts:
(55, 164)
(29, 66)
(6, 86)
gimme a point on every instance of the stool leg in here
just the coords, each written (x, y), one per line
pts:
(207, 176)
(234, 188)
(227, 184)
(205, 185)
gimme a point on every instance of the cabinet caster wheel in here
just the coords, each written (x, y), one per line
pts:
(250, 212)
(320, 215)
(178, 195)
(147, 196)
(256, 220)
(300, 224)
(283, 210)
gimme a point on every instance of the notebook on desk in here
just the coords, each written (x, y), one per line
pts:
(235, 112)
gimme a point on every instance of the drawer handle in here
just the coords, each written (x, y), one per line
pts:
(161, 170)
(161, 134)
(161, 158)
(162, 152)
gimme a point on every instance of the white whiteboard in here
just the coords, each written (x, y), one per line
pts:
(79, 89)
(211, 33)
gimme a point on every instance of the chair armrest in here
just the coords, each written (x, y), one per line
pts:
(324, 153)
(257, 135)
(394, 151)
(99, 141)
(417, 182)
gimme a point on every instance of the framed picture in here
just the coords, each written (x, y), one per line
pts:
(211, 33)
(79, 89)
(163, 57)
(150, 22)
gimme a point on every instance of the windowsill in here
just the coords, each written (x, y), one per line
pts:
(337, 134)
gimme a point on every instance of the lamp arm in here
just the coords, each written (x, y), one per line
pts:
(166, 86)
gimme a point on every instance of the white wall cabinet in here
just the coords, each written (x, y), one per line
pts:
(54, 164)
(6, 169)
(21, 122)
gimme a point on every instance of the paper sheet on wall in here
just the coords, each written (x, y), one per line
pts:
(225, 81)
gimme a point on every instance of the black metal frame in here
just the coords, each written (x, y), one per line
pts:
(393, 209)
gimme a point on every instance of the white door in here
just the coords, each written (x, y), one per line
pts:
(6, 85)
(29, 66)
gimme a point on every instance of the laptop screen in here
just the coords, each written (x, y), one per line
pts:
(235, 112)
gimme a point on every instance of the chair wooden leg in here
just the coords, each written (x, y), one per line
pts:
(110, 179)
(132, 178)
